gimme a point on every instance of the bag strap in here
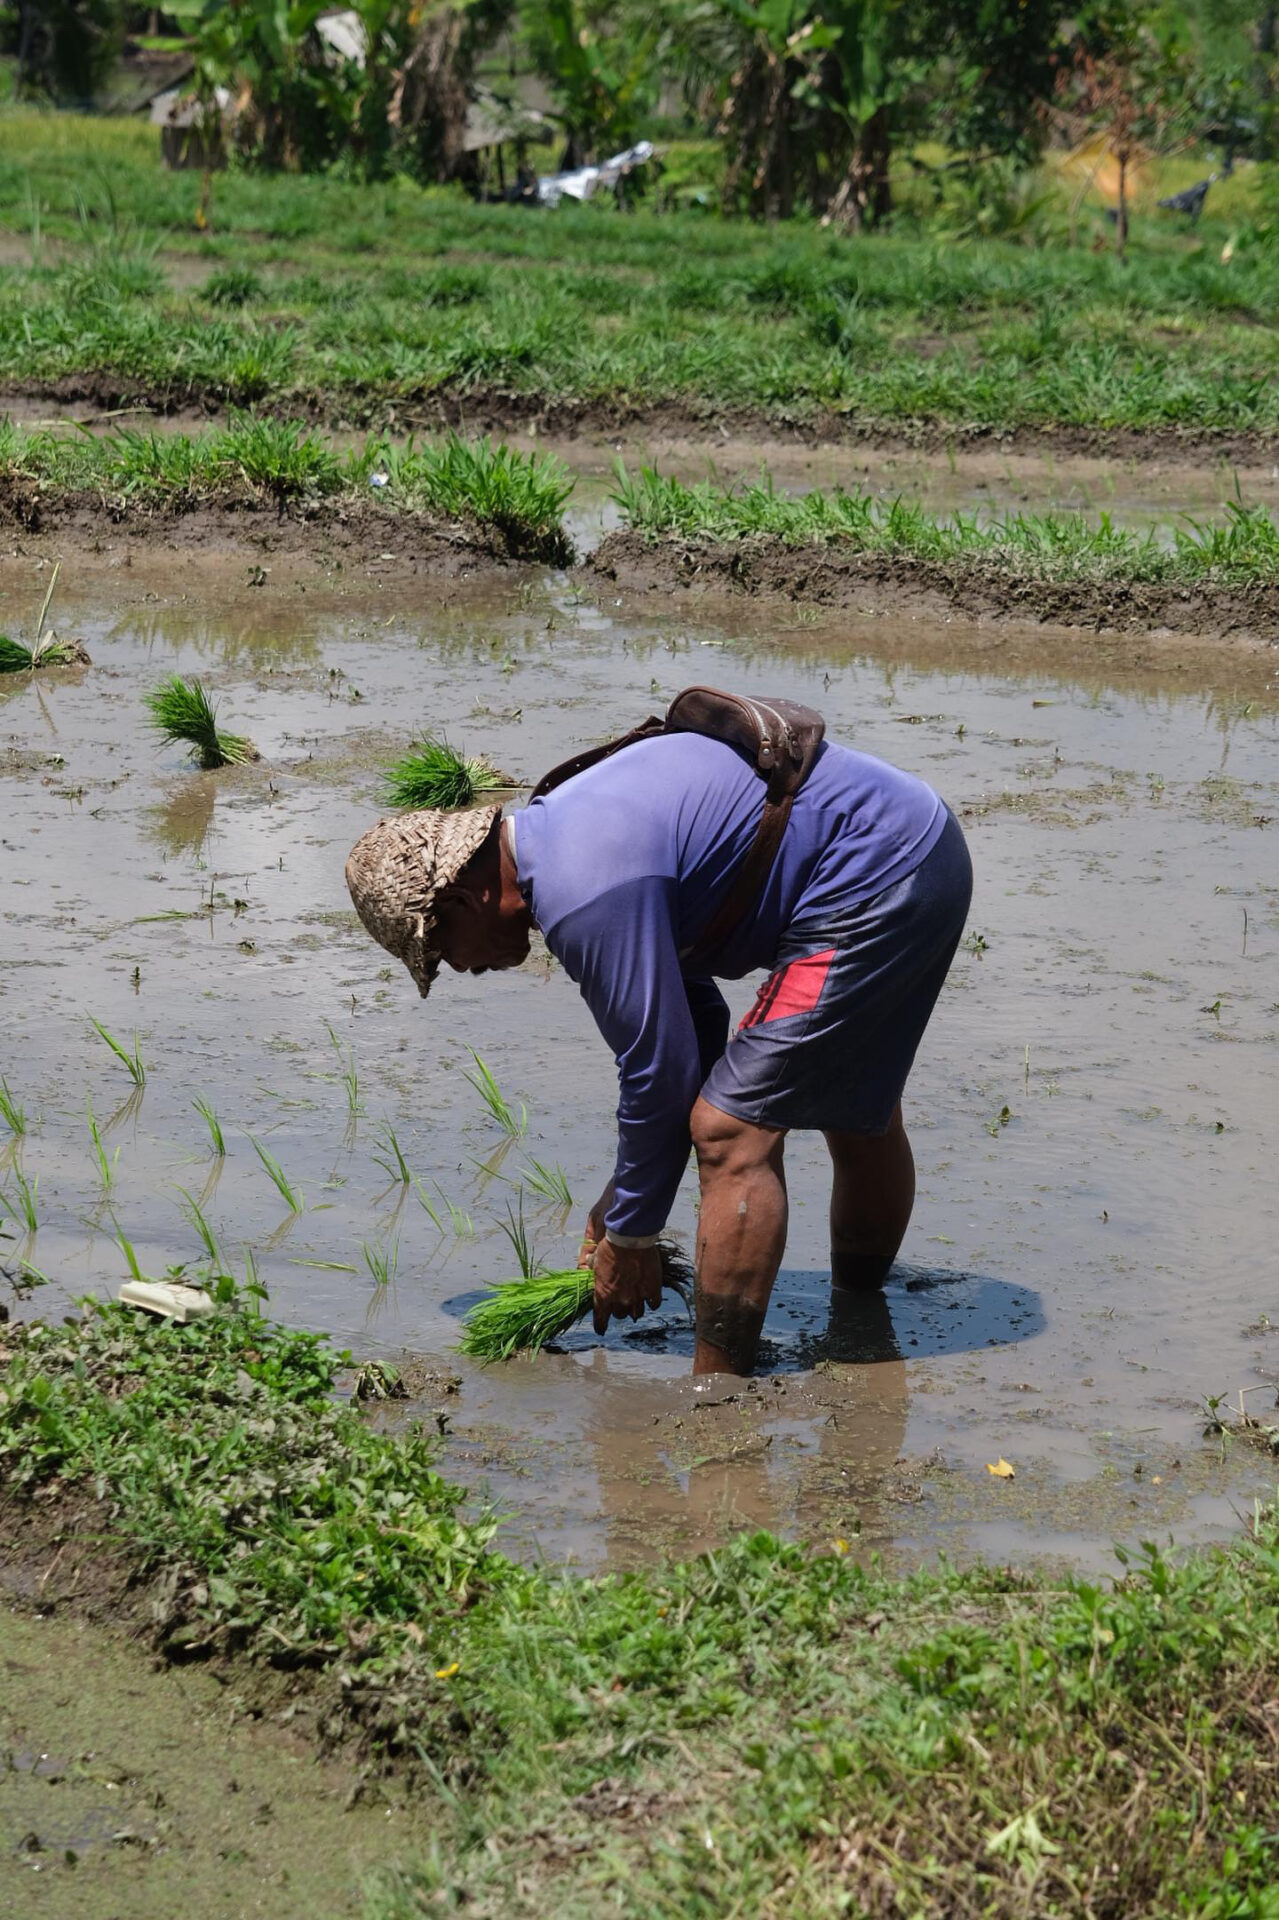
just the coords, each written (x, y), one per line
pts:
(748, 882)
(647, 730)
(783, 740)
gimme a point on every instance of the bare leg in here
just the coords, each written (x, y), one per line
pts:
(741, 1234)
(870, 1203)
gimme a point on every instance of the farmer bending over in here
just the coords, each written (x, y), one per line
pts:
(622, 868)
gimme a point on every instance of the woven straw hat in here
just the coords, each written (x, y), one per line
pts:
(395, 871)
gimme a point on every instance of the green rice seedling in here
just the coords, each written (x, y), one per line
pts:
(517, 1233)
(126, 1247)
(132, 1061)
(391, 1158)
(182, 713)
(382, 1263)
(199, 1220)
(348, 1075)
(521, 1316)
(47, 650)
(212, 1122)
(550, 1183)
(293, 1200)
(11, 1113)
(29, 1276)
(106, 1163)
(25, 1206)
(491, 1094)
(460, 1221)
(17, 658)
(434, 774)
(428, 1207)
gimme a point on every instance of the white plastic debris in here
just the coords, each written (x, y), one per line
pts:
(583, 181)
(168, 1298)
(379, 480)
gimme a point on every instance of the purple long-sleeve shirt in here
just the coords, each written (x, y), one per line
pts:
(622, 867)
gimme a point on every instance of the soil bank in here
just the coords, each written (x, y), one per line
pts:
(1054, 621)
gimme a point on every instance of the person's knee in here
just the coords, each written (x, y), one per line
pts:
(726, 1145)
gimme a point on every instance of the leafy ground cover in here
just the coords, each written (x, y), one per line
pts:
(765, 1730)
(367, 303)
(255, 461)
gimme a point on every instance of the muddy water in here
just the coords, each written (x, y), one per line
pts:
(1093, 1113)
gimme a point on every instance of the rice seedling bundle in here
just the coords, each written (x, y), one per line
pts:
(182, 713)
(521, 1316)
(50, 652)
(434, 774)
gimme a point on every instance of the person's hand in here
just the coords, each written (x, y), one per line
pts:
(627, 1279)
(595, 1227)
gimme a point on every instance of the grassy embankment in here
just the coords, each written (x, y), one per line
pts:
(764, 1730)
(1062, 549)
(316, 296)
(262, 462)
(521, 498)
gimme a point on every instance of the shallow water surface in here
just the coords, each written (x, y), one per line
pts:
(1093, 1112)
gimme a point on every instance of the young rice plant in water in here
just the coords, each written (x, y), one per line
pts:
(14, 1116)
(182, 714)
(133, 1062)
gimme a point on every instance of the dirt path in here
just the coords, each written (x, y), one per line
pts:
(130, 1791)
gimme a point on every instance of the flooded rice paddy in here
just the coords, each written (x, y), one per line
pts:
(1093, 1113)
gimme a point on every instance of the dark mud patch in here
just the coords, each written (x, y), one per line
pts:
(278, 527)
(829, 579)
(494, 410)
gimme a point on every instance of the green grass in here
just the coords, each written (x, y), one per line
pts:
(765, 1730)
(258, 461)
(1242, 550)
(183, 715)
(385, 303)
(434, 774)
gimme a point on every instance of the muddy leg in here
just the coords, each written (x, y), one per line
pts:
(870, 1203)
(741, 1233)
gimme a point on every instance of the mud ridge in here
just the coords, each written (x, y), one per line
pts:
(820, 576)
(279, 526)
(496, 410)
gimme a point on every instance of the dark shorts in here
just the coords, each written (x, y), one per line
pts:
(835, 1028)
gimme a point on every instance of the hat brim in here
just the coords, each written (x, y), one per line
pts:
(396, 871)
